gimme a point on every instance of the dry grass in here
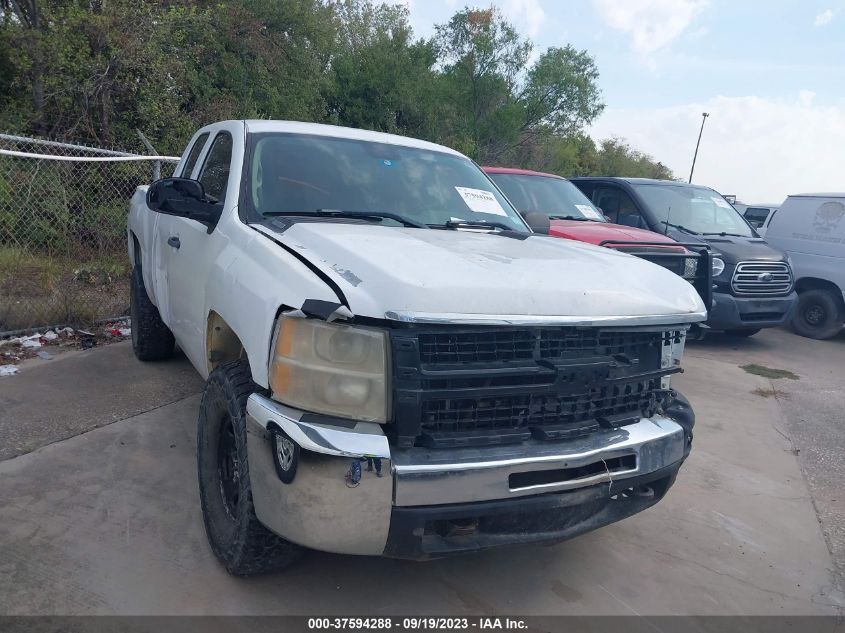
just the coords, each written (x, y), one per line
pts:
(771, 393)
(37, 290)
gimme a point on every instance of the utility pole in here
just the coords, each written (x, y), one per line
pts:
(704, 116)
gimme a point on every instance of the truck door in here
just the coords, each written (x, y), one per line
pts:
(161, 229)
(191, 252)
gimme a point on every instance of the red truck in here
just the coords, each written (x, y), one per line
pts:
(573, 216)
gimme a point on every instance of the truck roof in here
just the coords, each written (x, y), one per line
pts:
(519, 172)
(337, 131)
(640, 181)
(839, 194)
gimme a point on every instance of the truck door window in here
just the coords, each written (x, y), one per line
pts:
(756, 216)
(193, 155)
(214, 176)
(618, 207)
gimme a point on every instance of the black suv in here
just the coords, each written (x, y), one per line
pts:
(752, 282)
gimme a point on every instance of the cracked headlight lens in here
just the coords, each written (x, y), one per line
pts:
(331, 368)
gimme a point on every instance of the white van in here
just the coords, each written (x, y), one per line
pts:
(810, 227)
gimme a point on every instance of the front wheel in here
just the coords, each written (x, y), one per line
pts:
(237, 538)
(819, 314)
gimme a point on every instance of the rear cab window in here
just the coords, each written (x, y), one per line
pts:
(214, 175)
(193, 155)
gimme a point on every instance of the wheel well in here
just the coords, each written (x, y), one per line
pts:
(814, 283)
(136, 251)
(221, 343)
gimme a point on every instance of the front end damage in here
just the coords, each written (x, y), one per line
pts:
(498, 435)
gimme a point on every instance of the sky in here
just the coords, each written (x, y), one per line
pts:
(770, 73)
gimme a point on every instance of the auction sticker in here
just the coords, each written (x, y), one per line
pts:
(589, 212)
(481, 201)
(720, 202)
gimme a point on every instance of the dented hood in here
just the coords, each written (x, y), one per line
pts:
(386, 270)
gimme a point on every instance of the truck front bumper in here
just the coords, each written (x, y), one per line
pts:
(737, 313)
(430, 503)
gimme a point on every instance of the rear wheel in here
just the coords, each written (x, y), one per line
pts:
(151, 338)
(237, 538)
(819, 314)
(744, 333)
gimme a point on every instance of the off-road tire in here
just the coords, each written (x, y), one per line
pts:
(819, 314)
(241, 543)
(743, 333)
(151, 338)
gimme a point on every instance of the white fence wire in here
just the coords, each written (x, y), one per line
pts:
(63, 230)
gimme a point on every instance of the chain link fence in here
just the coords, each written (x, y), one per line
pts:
(63, 258)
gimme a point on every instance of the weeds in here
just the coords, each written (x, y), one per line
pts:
(768, 372)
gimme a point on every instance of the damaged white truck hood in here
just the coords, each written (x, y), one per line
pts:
(439, 275)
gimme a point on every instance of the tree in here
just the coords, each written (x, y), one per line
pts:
(561, 94)
(617, 158)
(498, 104)
(379, 77)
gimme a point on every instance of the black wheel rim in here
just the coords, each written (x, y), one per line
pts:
(814, 314)
(228, 467)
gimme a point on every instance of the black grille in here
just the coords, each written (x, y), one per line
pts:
(600, 403)
(515, 345)
(474, 347)
(487, 385)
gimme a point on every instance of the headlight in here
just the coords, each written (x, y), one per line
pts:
(331, 368)
(718, 266)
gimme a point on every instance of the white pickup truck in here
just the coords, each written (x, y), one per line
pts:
(396, 363)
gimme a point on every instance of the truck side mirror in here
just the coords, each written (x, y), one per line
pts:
(184, 198)
(539, 222)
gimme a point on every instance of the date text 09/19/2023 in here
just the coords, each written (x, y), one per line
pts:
(416, 623)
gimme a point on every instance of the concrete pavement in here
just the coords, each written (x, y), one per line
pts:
(108, 521)
(77, 391)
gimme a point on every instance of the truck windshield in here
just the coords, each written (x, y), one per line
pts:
(696, 209)
(556, 197)
(299, 173)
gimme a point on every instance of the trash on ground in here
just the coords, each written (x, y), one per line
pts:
(16, 349)
(8, 370)
(34, 341)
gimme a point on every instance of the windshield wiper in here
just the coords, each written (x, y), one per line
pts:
(577, 218)
(472, 224)
(680, 228)
(364, 215)
(723, 234)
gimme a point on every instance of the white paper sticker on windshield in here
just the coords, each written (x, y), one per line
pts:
(589, 212)
(481, 201)
(720, 202)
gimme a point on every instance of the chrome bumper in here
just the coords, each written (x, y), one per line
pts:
(321, 511)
